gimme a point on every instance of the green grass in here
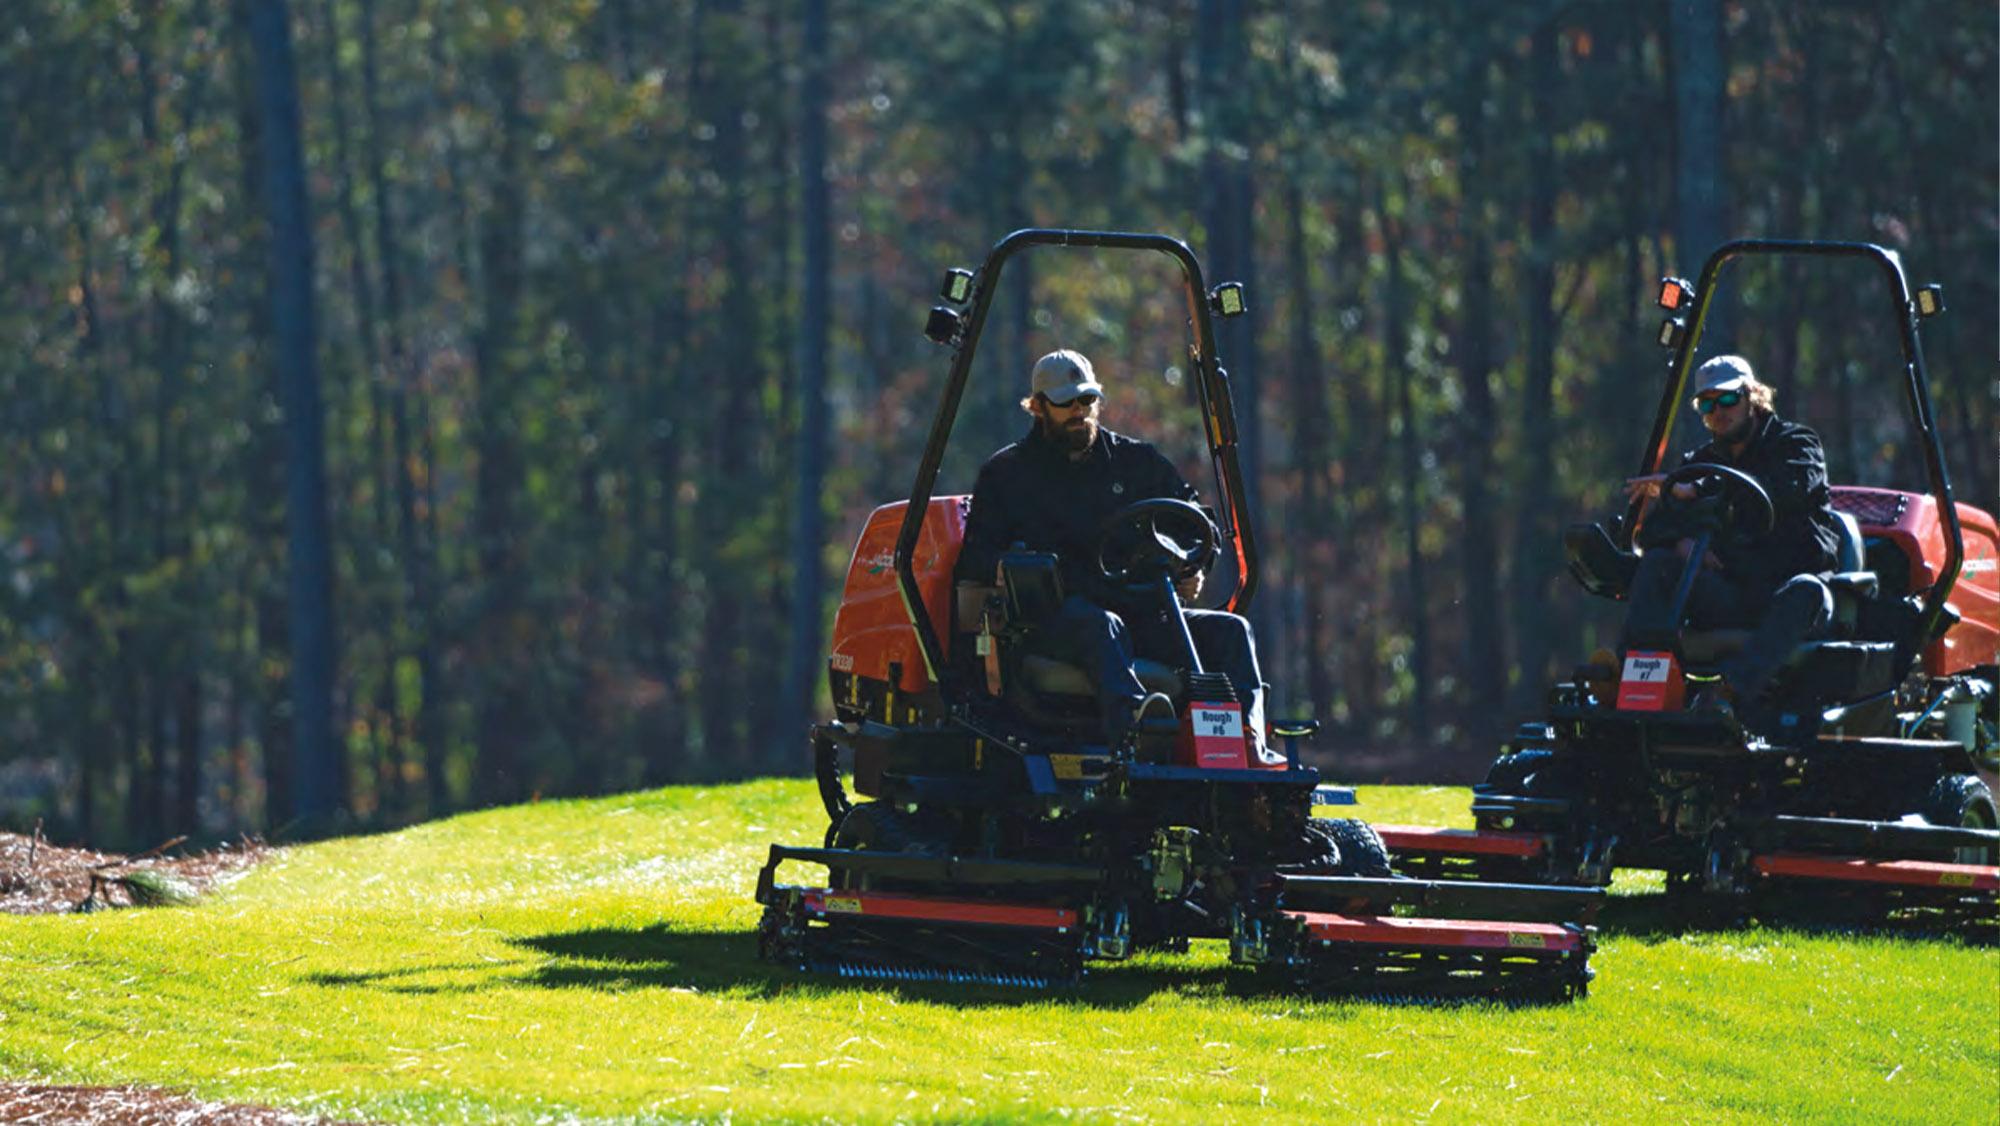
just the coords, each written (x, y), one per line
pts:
(595, 959)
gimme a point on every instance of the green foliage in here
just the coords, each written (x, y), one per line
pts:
(595, 959)
(558, 250)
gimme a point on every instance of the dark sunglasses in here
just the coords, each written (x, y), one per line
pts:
(1088, 401)
(1725, 399)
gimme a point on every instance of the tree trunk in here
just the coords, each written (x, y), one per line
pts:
(1395, 349)
(415, 548)
(502, 691)
(319, 795)
(1700, 160)
(1309, 452)
(808, 506)
(1534, 545)
(1485, 662)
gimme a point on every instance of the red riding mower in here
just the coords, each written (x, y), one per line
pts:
(1852, 788)
(1008, 841)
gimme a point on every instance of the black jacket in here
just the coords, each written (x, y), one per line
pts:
(1032, 493)
(1787, 460)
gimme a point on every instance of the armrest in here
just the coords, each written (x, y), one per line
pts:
(1860, 584)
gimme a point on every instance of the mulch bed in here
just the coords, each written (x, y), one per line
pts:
(134, 1106)
(38, 878)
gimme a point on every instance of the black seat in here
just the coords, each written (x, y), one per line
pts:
(1051, 677)
(1851, 586)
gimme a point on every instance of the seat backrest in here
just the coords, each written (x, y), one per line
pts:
(1849, 556)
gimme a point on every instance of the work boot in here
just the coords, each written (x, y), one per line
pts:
(1715, 698)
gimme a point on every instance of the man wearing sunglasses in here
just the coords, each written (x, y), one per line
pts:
(1052, 491)
(1770, 584)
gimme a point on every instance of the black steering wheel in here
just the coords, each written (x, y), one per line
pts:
(1152, 537)
(1736, 502)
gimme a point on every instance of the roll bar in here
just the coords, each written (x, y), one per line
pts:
(1916, 385)
(1211, 382)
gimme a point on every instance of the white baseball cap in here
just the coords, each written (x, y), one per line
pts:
(1723, 373)
(1063, 375)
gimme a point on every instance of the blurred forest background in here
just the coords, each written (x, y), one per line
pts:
(418, 404)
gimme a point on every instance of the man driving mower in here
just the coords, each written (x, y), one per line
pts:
(1767, 582)
(1053, 491)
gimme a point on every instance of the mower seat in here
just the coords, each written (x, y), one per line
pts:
(1851, 586)
(1050, 677)
(1832, 672)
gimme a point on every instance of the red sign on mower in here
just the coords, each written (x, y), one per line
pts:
(1212, 736)
(1651, 682)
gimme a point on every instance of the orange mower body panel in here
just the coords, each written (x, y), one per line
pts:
(873, 638)
(1912, 522)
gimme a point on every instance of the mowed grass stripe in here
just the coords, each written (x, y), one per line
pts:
(595, 959)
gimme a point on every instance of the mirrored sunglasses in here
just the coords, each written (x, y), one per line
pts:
(1703, 404)
(1086, 401)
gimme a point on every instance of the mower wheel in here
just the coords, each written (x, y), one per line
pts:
(1962, 801)
(1509, 774)
(878, 827)
(1362, 852)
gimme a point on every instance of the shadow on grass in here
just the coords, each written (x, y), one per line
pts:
(660, 956)
(1659, 917)
(725, 962)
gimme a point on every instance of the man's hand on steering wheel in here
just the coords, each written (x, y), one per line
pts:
(1159, 537)
(1700, 497)
(1189, 586)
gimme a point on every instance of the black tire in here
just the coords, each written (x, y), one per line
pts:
(1510, 774)
(1318, 852)
(1362, 852)
(1962, 801)
(879, 827)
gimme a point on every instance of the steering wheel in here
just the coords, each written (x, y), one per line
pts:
(1740, 503)
(1150, 537)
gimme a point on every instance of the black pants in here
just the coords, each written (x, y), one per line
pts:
(1104, 642)
(1779, 621)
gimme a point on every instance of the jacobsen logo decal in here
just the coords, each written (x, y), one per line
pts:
(1528, 941)
(879, 562)
(842, 904)
(1955, 879)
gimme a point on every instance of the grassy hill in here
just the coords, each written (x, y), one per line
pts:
(595, 959)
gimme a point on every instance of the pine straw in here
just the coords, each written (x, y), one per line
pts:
(38, 878)
(134, 1106)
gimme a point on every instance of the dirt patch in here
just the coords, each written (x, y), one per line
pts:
(135, 1106)
(38, 878)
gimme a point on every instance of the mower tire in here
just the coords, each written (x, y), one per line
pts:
(1962, 801)
(1362, 852)
(1510, 774)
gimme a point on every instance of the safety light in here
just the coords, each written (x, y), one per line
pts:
(957, 287)
(1671, 331)
(1227, 299)
(942, 326)
(1930, 300)
(1675, 294)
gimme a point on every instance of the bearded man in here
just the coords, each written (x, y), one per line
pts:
(1052, 491)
